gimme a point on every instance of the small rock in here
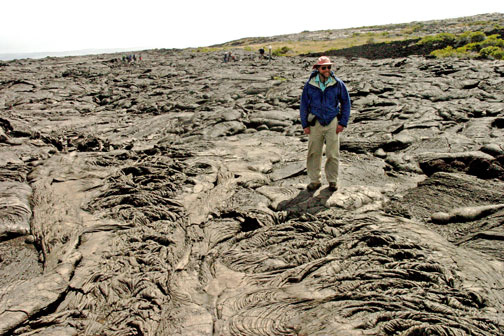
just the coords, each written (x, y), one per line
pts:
(380, 153)
(492, 149)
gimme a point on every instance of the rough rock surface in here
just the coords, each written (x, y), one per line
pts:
(166, 197)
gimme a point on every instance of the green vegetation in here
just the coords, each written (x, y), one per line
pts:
(413, 29)
(493, 52)
(466, 45)
(281, 51)
(439, 39)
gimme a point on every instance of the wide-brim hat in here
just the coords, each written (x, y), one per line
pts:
(322, 60)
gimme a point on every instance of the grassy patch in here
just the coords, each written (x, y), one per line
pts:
(295, 48)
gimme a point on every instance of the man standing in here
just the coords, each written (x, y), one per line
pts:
(324, 112)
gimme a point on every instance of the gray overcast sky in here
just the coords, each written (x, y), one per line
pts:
(57, 25)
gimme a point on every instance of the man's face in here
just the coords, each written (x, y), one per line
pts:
(325, 70)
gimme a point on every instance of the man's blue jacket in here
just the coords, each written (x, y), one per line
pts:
(325, 105)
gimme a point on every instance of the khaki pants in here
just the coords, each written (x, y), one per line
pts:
(319, 134)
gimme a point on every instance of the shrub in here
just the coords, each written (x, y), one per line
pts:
(468, 44)
(439, 39)
(413, 29)
(449, 51)
(470, 47)
(418, 27)
(446, 52)
(470, 37)
(492, 52)
(281, 51)
(493, 40)
(499, 54)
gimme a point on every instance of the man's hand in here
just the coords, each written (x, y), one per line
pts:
(306, 130)
(340, 128)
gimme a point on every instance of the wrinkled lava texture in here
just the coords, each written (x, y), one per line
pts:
(167, 197)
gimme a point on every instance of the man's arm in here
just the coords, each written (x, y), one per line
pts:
(304, 108)
(346, 105)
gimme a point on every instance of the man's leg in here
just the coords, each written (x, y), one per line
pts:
(314, 157)
(332, 152)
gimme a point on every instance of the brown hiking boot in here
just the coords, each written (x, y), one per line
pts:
(333, 186)
(313, 186)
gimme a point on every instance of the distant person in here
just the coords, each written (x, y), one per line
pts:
(324, 111)
(261, 52)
